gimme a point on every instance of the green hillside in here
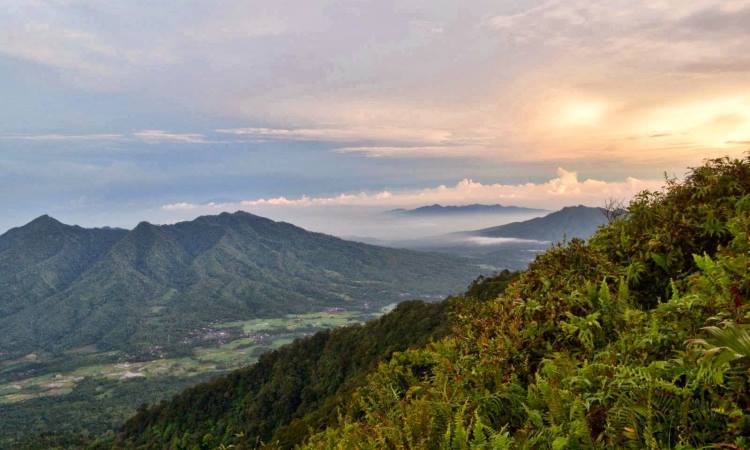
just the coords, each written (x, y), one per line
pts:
(298, 387)
(45, 257)
(638, 338)
(65, 287)
(568, 223)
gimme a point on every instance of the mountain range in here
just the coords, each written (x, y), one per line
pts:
(513, 245)
(636, 338)
(64, 287)
(474, 209)
(568, 223)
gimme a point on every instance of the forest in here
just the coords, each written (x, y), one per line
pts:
(636, 338)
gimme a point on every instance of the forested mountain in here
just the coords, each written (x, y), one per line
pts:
(451, 210)
(568, 223)
(45, 257)
(297, 387)
(64, 287)
(636, 338)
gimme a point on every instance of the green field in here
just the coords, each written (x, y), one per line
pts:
(84, 380)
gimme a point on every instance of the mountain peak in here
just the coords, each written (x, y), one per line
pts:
(223, 219)
(240, 213)
(470, 209)
(144, 230)
(43, 223)
(144, 225)
(45, 219)
(569, 222)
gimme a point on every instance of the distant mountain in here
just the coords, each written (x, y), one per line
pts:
(63, 287)
(567, 223)
(520, 243)
(45, 257)
(440, 210)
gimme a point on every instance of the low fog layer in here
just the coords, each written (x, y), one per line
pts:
(444, 234)
(377, 224)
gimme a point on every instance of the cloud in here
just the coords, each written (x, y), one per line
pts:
(57, 46)
(342, 134)
(566, 188)
(434, 151)
(157, 136)
(498, 80)
(149, 136)
(62, 137)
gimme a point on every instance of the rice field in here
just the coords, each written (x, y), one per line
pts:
(253, 338)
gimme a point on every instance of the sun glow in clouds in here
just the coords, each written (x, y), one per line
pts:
(714, 122)
(581, 113)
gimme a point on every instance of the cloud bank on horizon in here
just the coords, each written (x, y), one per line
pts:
(565, 189)
(114, 109)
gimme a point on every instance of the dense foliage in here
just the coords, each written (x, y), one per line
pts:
(73, 420)
(64, 287)
(637, 339)
(291, 390)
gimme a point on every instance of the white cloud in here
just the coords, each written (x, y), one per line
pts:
(62, 137)
(564, 189)
(433, 151)
(166, 136)
(342, 134)
(56, 46)
(497, 79)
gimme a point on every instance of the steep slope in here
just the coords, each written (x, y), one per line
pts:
(568, 223)
(637, 338)
(157, 284)
(297, 387)
(44, 257)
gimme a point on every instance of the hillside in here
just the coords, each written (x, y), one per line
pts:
(299, 386)
(451, 210)
(65, 287)
(568, 223)
(45, 257)
(637, 338)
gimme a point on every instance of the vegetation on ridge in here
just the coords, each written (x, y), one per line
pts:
(636, 339)
(155, 285)
(290, 390)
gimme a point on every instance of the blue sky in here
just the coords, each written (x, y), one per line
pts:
(116, 112)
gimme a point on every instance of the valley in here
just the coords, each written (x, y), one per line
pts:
(102, 321)
(368, 225)
(101, 388)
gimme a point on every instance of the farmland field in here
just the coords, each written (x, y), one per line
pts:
(57, 393)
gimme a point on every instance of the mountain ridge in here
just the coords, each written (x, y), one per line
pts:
(567, 223)
(634, 338)
(165, 280)
(475, 208)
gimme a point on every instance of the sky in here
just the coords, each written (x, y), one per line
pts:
(117, 112)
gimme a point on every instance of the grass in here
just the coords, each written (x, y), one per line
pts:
(257, 336)
(293, 322)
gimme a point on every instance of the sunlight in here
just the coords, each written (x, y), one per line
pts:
(581, 113)
(709, 123)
